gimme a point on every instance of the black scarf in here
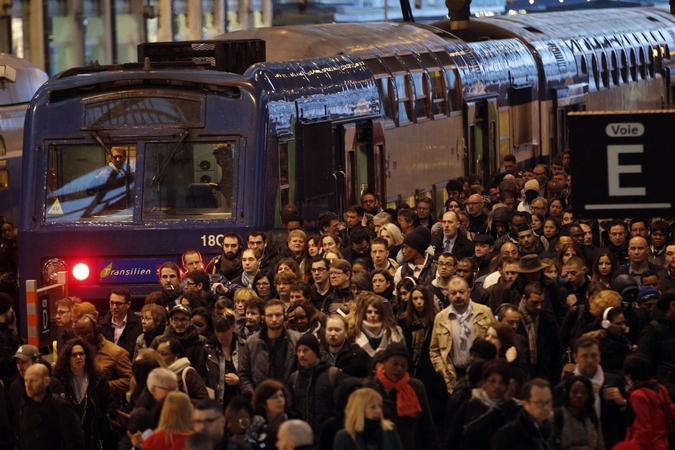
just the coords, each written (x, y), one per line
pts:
(276, 363)
(372, 434)
(188, 339)
(158, 331)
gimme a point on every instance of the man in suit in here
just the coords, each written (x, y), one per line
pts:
(451, 240)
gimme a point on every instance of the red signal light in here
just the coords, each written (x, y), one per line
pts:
(81, 271)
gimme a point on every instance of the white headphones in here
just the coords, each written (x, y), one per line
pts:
(605, 322)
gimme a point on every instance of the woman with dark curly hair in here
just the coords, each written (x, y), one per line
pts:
(89, 392)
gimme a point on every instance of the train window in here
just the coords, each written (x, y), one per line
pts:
(194, 180)
(146, 110)
(4, 179)
(438, 104)
(584, 65)
(386, 92)
(404, 92)
(604, 74)
(420, 81)
(3, 148)
(633, 65)
(642, 66)
(614, 69)
(596, 72)
(284, 173)
(88, 183)
(624, 66)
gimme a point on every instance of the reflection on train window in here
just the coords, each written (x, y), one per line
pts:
(384, 89)
(90, 183)
(4, 179)
(189, 180)
(403, 90)
(438, 106)
(421, 96)
(284, 175)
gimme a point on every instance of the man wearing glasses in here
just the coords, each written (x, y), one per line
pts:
(321, 287)
(120, 325)
(339, 276)
(269, 353)
(181, 328)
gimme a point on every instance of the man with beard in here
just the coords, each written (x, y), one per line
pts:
(187, 334)
(9, 341)
(169, 277)
(229, 263)
(269, 353)
(344, 354)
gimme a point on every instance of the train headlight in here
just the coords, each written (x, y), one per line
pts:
(51, 268)
(81, 271)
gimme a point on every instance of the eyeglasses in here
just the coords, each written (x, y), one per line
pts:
(117, 304)
(335, 274)
(190, 283)
(78, 354)
(146, 319)
(319, 269)
(62, 313)
(183, 321)
(444, 264)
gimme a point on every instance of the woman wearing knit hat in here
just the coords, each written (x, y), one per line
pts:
(405, 400)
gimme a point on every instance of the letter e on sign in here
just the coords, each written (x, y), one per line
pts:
(614, 170)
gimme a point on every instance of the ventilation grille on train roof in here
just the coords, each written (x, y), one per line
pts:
(227, 56)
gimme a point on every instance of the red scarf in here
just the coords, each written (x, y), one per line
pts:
(407, 403)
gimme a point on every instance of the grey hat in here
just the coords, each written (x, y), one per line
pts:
(26, 352)
(180, 309)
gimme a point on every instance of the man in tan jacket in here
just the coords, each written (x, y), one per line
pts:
(455, 329)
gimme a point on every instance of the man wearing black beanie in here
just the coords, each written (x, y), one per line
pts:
(314, 385)
(419, 265)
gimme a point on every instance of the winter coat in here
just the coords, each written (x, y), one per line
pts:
(314, 392)
(129, 335)
(144, 340)
(343, 441)
(524, 434)
(416, 433)
(194, 385)
(98, 406)
(193, 343)
(654, 416)
(657, 341)
(549, 354)
(49, 425)
(351, 359)
(441, 340)
(254, 360)
(115, 364)
(476, 423)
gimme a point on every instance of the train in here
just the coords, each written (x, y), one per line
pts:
(129, 165)
(19, 80)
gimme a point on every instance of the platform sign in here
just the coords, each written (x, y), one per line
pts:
(622, 163)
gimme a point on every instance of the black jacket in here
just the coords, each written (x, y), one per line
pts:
(612, 416)
(524, 434)
(416, 433)
(96, 408)
(314, 392)
(463, 248)
(49, 425)
(129, 335)
(657, 341)
(351, 359)
(549, 354)
(475, 423)
(9, 343)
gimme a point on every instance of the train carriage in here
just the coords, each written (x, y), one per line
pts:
(208, 146)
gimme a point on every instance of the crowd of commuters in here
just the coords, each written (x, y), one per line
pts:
(499, 321)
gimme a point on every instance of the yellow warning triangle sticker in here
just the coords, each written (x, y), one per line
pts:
(56, 208)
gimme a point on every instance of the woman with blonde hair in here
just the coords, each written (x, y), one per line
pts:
(175, 424)
(365, 426)
(394, 238)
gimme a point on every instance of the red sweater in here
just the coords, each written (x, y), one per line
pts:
(157, 441)
(651, 427)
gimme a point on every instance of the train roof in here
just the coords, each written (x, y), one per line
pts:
(314, 41)
(565, 24)
(19, 80)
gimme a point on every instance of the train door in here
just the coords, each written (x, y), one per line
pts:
(568, 99)
(316, 183)
(482, 136)
(363, 160)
